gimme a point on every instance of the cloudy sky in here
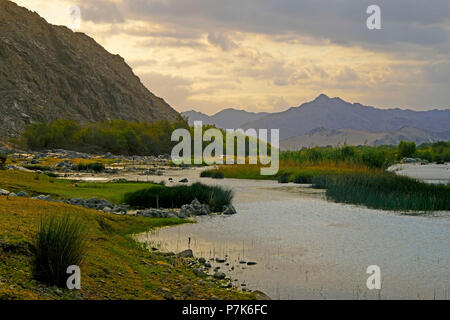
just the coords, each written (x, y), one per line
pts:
(269, 55)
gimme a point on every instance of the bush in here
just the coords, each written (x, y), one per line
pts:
(95, 167)
(215, 174)
(3, 158)
(175, 197)
(406, 149)
(283, 178)
(60, 242)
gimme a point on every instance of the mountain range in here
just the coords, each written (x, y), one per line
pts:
(49, 72)
(225, 119)
(332, 121)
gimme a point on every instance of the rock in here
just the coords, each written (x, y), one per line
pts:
(23, 194)
(202, 260)
(156, 213)
(107, 209)
(251, 263)
(43, 197)
(12, 194)
(194, 209)
(185, 180)
(242, 262)
(221, 260)
(229, 210)
(219, 275)
(4, 192)
(199, 272)
(208, 265)
(186, 254)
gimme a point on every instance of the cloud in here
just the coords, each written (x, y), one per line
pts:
(222, 41)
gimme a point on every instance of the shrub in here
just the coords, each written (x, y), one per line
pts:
(283, 178)
(3, 158)
(406, 149)
(174, 197)
(215, 174)
(60, 242)
(96, 167)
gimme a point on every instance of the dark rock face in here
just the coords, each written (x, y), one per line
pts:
(48, 72)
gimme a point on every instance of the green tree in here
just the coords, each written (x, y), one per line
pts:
(406, 149)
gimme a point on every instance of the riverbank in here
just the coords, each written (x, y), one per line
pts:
(115, 266)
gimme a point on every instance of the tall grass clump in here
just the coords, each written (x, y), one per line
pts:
(215, 174)
(385, 191)
(60, 242)
(175, 197)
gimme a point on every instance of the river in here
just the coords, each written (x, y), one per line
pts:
(308, 248)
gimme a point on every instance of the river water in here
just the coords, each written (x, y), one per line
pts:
(308, 248)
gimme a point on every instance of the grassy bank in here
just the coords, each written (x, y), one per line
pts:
(36, 184)
(115, 267)
(385, 191)
(354, 184)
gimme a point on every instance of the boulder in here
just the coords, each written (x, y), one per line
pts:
(229, 210)
(219, 275)
(186, 254)
(199, 272)
(4, 192)
(23, 194)
(194, 209)
(185, 180)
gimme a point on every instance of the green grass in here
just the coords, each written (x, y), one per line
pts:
(385, 191)
(174, 197)
(60, 242)
(34, 184)
(114, 266)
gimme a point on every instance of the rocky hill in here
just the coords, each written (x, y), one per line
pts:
(49, 72)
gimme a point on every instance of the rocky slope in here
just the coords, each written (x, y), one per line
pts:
(49, 72)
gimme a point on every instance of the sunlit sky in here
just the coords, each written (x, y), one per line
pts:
(269, 55)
